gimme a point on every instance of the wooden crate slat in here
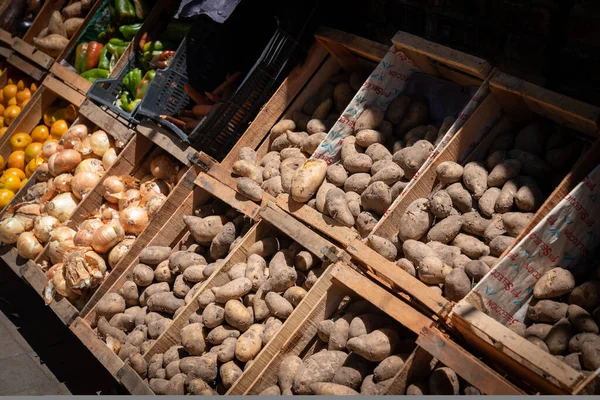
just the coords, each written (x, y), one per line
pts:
(105, 122)
(31, 53)
(166, 140)
(70, 77)
(417, 366)
(23, 66)
(227, 195)
(64, 91)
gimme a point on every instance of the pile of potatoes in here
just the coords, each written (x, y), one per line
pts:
(165, 281)
(563, 318)
(377, 162)
(234, 321)
(452, 239)
(360, 351)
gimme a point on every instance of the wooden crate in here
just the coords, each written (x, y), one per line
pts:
(133, 161)
(25, 47)
(298, 337)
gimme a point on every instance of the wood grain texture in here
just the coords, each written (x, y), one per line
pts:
(22, 65)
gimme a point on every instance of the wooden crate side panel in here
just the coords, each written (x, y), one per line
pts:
(70, 77)
(96, 346)
(64, 91)
(22, 65)
(166, 140)
(228, 195)
(31, 53)
(105, 122)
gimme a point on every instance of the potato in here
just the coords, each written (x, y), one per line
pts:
(220, 333)
(499, 244)
(443, 381)
(337, 207)
(554, 283)
(237, 315)
(312, 276)
(357, 183)
(590, 355)
(494, 229)
(162, 273)
(203, 230)
(129, 292)
(165, 302)
(367, 137)
(370, 118)
(328, 389)
(282, 127)
(278, 306)
(127, 351)
(229, 373)
(460, 261)
(206, 368)
(271, 169)
(323, 109)
(250, 189)
(388, 368)
(307, 179)
(470, 246)
(123, 322)
(546, 311)
(336, 175)
(529, 197)
(245, 169)
(193, 339)
(349, 148)
(416, 221)
(109, 305)
(154, 255)
(172, 369)
(273, 186)
(416, 114)
(290, 152)
(515, 222)
(476, 270)
(416, 251)
(105, 330)
(495, 158)
(142, 275)
(456, 285)
(342, 95)
(295, 138)
(576, 343)
(376, 198)
(580, 319)
(558, 337)
(417, 389)
(461, 198)
(504, 171)
(440, 204)
(180, 260)
(397, 109)
(538, 330)
(449, 172)
(294, 295)
(410, 159)
(233, 290)
(378, 152)
(487, 202)
(530, 163)
(364, 324)
(376, 346)
(489, 260)
(475, 178)
(433, 271)
(407, 266)
(383, 246)
(563, 158)
(446, 229)
(358, 163)
(249, 343)
(159, 386)
(320, 367)
(281, 276)
(199, 387)
(315, 126)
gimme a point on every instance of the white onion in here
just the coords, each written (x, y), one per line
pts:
(10, 229)
(28, 246)
(163, 167)
(134, 219)
(43, 227)
(155, 203)
(50, 148)
(62, 206)
(100, 143)
(62, 183)
(74, 136)
(119, 251)
(83, 183)
(90, 165)
(109, 158)
(107, 236)
(129, 198)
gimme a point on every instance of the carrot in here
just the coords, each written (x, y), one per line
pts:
(201, 110)
(199, 98)
(230, 80)
(177, 122)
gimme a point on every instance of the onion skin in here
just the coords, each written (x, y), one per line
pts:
(119, 251)
(62, 206)
(43, 227)
(83, 238)
(28, 246)
(109, 158)
(107, 237)
(50, 148)
(90, 165)
(83, 183)
(74, 136)
(62, 183)
(99, 143)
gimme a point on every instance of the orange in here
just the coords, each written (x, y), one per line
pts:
(23, 95)
(16, 172)
(48, 119)
(20, 85)
(2, 123)
(12, 102)
(32, 166)
(71, 113)
(10, 182)
(59, 114)
(5, 197)
(2, 96)
(2, 163)
(4, 128)
(1, 109)
(40, 133)
(10, 81)
(23, 182)
(17, 160)
(59, 128)
(19, 141)
(32, 151)
(10, 114)
(33, 87)
(9, 91)
(24, 103)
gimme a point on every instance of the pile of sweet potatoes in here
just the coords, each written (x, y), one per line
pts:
(165, 281)
(376, 163)
(563, 318)
(234, 321)
(360, 351)
(452, 239)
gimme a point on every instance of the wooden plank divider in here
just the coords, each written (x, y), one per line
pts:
(22, 65)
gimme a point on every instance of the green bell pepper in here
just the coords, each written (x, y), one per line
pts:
(116, 47)
(104, 62)
(87, 56)
(144, 84)
(154, 45)
(124, 12)
(124, 101)
(132, 80)
(96, 73)
(129, 31)
(131, 106)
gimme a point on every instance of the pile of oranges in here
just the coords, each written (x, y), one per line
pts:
(26, 149)
(13, 98)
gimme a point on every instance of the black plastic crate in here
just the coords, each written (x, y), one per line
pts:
(224, 125)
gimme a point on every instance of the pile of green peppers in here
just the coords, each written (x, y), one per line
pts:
(93, 60)
(136, 86)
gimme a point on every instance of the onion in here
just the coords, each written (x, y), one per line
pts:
(109, 158)
(83, 238)
(119, 251)
(155, 203)
(91, 224)
(90, 165)
(57, 250)
(60, 284)
(163, 167)
(83, 183)
(156, 186)
(74, 136)
(134, 219)
(100, 143)
(50, 148)
(107, 236)
(108, 211)
(83, 268)
(129, 198)
(113, 185)
(63, 161)
(10, 229)
(28, 246)
(84, 147)
(43, 227)
(62, 183)
(43, 173)
(62, 206)
(27, 213)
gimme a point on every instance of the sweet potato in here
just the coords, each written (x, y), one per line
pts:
(53, 44)
(475, 178)
(416, 221)
(320, 367)
(71, 25)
